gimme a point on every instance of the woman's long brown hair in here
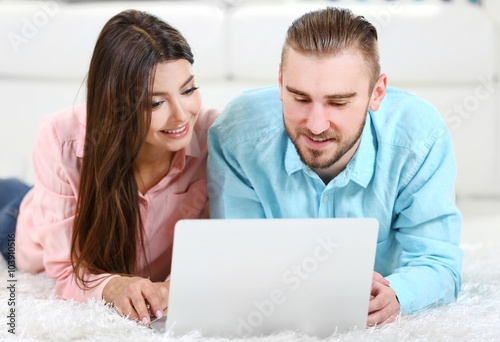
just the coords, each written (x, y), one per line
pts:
(108, 229)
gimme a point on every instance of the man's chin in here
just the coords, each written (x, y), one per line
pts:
(319, 165)
(316, 160)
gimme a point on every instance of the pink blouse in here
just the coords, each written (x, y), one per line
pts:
(45, 222)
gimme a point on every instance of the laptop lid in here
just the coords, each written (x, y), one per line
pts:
(253, 277)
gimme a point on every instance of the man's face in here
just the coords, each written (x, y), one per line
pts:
(325, 103)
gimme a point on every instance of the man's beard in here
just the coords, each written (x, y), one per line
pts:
(319, 159)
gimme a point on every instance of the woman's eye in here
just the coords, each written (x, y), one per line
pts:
(190, 91)
(156, 104)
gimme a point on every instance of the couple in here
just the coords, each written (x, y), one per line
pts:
(330, 141)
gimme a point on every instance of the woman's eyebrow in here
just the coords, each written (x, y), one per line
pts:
(187, 81)
(158, 93)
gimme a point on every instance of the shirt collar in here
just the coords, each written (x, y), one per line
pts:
(177, 166)
(292, 158)
(359, 169)
(362, 164)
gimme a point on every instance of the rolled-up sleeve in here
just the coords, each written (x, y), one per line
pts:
(47, 216)
(428, 226)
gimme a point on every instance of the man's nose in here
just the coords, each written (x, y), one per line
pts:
(317, 121)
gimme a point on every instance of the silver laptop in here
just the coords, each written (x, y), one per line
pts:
(254, 277)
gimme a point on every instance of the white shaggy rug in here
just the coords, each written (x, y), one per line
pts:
(475, 316)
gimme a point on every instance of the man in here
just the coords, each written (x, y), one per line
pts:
(334, 141)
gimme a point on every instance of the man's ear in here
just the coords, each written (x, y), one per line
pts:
(280, 82)
(378, 92)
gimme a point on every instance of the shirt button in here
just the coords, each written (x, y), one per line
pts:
(325, 198)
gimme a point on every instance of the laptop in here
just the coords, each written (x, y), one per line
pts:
(258, 277)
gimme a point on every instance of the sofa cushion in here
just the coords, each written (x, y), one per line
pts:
(53, 39)
(411, 35)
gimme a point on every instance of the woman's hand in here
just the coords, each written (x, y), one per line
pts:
(132, 295)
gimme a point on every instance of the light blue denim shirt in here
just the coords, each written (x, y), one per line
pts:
(403, 174)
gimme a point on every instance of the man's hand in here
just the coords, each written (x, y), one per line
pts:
(131, 295)
(384, 306)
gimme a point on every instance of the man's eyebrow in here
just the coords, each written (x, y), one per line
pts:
(330, 97)
(295, 91)
(341, 96)
(182, 86)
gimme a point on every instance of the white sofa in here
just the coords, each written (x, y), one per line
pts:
(445, 52)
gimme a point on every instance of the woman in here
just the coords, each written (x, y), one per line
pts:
(112, 177)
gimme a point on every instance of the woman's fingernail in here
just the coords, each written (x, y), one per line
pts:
(158, 314)
(145, 321)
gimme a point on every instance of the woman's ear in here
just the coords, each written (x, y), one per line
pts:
(378, 92)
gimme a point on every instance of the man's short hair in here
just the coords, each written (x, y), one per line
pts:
(331, 31)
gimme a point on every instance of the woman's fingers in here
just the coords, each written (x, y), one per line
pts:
(164, 289)
(124, 307)
(154, 297)
(132, 295)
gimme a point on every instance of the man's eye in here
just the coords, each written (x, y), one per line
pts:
(301, 100)
(338, 104)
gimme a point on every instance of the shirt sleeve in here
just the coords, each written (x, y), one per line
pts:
(230, 192)
(54, 207)
(428, 226)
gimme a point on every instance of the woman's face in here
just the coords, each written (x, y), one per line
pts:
(175, 106)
